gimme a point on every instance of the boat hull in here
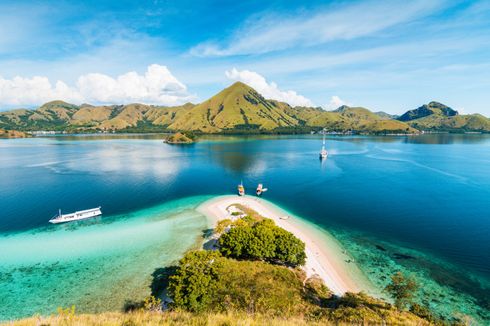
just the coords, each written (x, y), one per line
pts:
(77, 216)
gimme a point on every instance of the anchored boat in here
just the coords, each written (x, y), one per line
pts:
(260, 189)
(323, 152)
(79, 215)
(241, 189)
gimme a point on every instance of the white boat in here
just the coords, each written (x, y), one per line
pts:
(260, 189)
(323, 152)
(241, 189)
(79, 215)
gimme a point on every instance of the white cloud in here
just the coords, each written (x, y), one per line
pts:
(335, 102)
(21, 91)
(278, 32)
(268, 90)
(156, 86)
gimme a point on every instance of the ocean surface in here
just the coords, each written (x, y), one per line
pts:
(417, 204)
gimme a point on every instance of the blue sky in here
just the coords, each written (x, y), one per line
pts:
(384, 55)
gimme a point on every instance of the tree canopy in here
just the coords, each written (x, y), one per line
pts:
(402, 289)
(193, 285)
(263, 241)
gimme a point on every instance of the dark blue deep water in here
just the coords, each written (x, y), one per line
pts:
(422, 201)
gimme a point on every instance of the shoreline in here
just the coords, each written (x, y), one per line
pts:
(325, 256)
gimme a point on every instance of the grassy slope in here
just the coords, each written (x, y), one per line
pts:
(471, 122)
(352, 118)
(436, 116)
(178, 318)
(255, 293)
(236, 105)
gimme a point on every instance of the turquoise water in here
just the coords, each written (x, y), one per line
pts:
(419, 204)
(96, 265)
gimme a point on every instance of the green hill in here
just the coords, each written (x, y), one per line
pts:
(433, 108)
(439, 117)
(236, 107)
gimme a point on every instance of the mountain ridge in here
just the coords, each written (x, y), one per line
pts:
(236, 109)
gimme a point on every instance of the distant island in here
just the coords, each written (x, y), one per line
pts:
(238, 109)
(181, 138)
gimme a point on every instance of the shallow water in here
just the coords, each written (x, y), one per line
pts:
(96, 265)
(427, 196)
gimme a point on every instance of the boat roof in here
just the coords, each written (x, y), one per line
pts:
(87, 210)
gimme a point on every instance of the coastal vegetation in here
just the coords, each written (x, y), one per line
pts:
(256, 270)
(238, 109)
(402, 289)
(205, 282)
(13, 134)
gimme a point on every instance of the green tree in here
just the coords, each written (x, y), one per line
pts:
(235, 242)
(402, 289)
(194, 284)
(264, 241)
(289, 249)
(262, 244)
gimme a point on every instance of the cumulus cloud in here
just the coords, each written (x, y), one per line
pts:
(335, 102)
(30, 91)
(156, 86)
(268, 90)
(266, 33)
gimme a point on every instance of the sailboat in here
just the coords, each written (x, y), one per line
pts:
(323, 152)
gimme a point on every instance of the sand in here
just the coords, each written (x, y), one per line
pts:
(325, 256)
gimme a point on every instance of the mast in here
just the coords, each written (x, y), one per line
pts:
(323, 147)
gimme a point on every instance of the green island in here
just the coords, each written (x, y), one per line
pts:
(181, 138)
(250, 273)
(238, 109)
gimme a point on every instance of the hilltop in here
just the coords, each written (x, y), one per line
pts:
(236, 109)
(436, 116)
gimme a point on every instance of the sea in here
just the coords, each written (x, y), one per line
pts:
(417, 204)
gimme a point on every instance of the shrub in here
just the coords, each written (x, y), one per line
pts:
(402, 289)
(289, 249)
(222, 225)
(194, 284)
(422, 312)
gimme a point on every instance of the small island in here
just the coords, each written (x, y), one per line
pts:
(260, 266)
(181, 138)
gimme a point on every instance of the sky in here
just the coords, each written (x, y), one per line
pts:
(387, 56)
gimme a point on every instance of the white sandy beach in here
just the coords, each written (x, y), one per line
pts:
(325, 257)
